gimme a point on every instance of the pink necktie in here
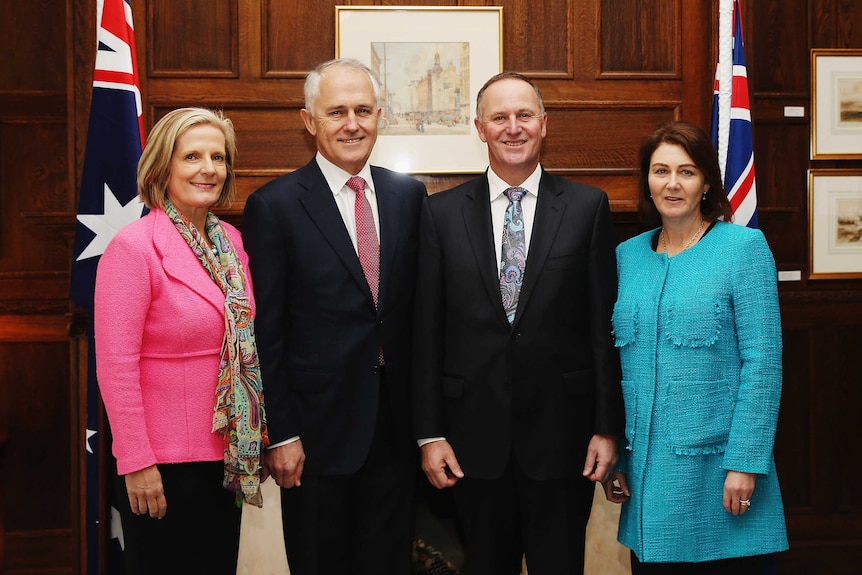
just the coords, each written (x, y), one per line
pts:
(367, 246)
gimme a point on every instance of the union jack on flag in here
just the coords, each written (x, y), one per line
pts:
(108, 201)
(731, 123)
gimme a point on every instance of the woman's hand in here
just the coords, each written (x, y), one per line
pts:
(617, 488)
(738, 489)
(146, 492)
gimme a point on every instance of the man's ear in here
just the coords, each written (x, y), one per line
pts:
(308, 120)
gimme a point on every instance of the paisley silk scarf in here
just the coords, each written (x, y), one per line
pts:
(239, 414)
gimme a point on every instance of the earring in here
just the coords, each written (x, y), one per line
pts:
(703, 199)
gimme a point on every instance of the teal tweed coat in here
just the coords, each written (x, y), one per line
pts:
(699, 336)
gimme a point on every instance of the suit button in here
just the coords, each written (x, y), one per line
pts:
(516, 336)
(380, 322)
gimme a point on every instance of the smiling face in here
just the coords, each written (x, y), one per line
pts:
(513, 126)
(198, 170)
(676, 184)
(344, 116)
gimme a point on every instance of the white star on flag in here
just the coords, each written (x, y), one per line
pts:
(106, 225)
(90, 433)
(117, 527)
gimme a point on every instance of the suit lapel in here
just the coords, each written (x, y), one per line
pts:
(320, 206)
(550, 208)
(477, 221)
(169, 244)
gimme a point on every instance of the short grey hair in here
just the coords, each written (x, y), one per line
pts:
(312, 81)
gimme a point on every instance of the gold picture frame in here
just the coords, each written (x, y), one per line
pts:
(431, 62)
(836, 104)
(835, 224)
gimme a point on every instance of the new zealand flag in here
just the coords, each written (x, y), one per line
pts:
(732, 132)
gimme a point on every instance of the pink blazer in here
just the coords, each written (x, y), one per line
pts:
(159, 327)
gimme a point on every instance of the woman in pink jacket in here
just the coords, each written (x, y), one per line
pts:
(176, 358)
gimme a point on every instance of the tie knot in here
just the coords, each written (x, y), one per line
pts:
(515, 194)
(356, 184)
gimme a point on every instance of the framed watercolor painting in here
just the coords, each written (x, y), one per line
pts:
(431, 62)
(835, 218)
(836, 104)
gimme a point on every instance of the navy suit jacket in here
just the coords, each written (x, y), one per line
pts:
(317, 329)
(541, 387)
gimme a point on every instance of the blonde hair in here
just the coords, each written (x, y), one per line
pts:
(154, 167)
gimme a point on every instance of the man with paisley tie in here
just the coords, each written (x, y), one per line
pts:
(517, 402)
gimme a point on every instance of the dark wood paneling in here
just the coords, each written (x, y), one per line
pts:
(192, 38)
(780, 52)
(533, 47)
(640, 38)
(34, 178)
(598, 138)
(33, 30)
(296, 36)
(37, 457)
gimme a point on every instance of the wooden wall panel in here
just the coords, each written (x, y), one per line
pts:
(34, 166)
(296, 36)
(30, 29)
(596, 138)
(36, 464)
(192, 38)
(776, 67)
(531, 45)
(640, 38)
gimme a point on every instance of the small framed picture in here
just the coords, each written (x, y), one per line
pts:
(835, 218)
(836, 104)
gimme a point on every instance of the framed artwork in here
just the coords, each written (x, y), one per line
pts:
(836, 104)
(431, 62)
(835, 224)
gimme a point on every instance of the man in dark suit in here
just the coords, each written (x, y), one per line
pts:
(333, 332)
(516, 396)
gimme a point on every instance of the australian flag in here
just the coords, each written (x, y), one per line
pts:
(731, 130)
(108, 201)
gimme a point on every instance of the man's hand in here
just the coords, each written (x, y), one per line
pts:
(146, 492)
(440, 465)
(285, 463)
(602, 457)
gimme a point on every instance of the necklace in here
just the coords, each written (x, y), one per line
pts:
(690, 241)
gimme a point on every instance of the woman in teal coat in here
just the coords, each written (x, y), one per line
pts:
(699, 332)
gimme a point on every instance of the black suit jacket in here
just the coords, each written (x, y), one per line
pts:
(317, 329)
(541, 387)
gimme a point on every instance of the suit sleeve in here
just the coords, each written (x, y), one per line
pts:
(610, 414)
(428, 334)
(270, 268)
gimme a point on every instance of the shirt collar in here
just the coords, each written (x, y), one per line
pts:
(337, 178)
(496, 185)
